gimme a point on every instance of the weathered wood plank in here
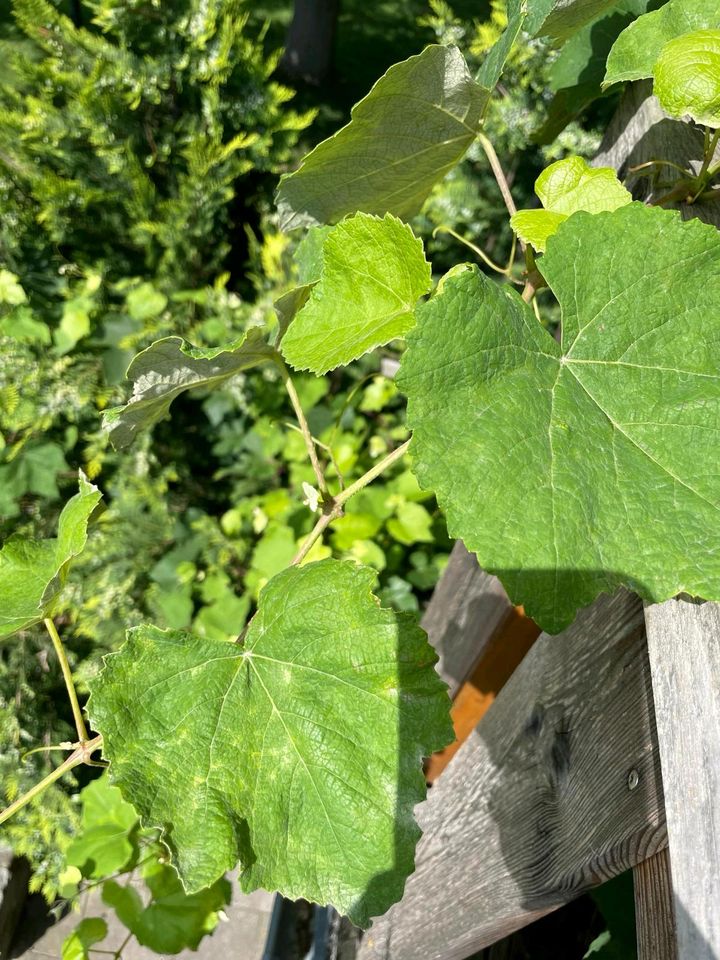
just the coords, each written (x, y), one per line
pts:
(466, 609)
(558, 789)
(684, 650)
(639, 132)
(654, 912)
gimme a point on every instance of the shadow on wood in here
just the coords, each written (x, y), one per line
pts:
(557, 790)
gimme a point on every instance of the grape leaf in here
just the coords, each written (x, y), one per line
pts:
(86, 934)
(687, 77)
(32, 572)
(104, 843)
(638, 47)
(173, 920)
(170, 366)
(414, 125)
(273, 753)
(571, 469)
(373, 272)
(568, 16)
(565, 187)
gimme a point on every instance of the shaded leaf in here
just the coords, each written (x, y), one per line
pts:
(373, 273)
(32, 572)
(104, 844)
(274, 752)
(173, 920)
(414, 125)
(637, 49)
(169, 367)
(572, 469)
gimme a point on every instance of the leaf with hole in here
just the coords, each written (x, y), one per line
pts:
(273, 752)
(574, 468)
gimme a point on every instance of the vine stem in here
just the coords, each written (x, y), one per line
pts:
(81, 754)
(304, 428)
(67, 676)
(500, 177)
(333, 508)
(397, 454)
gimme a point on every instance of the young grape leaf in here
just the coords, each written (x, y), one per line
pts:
(273, 753)
(373, 272)
(414, 125)
(170, 366)
(104, 844)
(32, 572)
(565, 187)
(638, 47)
(571, 469)
(687, 77)
(86, 934)
(173, 920)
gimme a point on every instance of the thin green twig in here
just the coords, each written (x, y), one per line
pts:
(67, 676)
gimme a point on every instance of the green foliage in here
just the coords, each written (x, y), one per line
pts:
(171, 366)
(687, 77)
(592, 432)
(32, 572)
(104, 845)
(265, 541)
(564, 188)
(88, 932)
(159, 914)
(637, 49)
(413, 126)
(321, 758)
(125, 139)
(373, 273)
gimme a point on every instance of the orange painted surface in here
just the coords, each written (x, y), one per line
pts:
(503, 654)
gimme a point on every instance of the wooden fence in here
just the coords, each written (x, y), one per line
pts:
(600, 753)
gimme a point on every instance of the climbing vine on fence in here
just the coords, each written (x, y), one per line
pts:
(569, 465)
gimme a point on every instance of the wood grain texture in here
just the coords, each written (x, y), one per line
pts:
(684, 651)
(466, 609)
(654, 911)
(640, 131)
(502, 654)
(537, 805)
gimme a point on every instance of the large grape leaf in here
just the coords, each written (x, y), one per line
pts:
(298, 753)
(565, 187)
(32, 572)
(373, 272)
(638, 47)
(170, 366)
(414, 125)
(570, 469)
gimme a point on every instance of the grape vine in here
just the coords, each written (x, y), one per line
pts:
(562, 463)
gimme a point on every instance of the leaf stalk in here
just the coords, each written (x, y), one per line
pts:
(67, 676)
